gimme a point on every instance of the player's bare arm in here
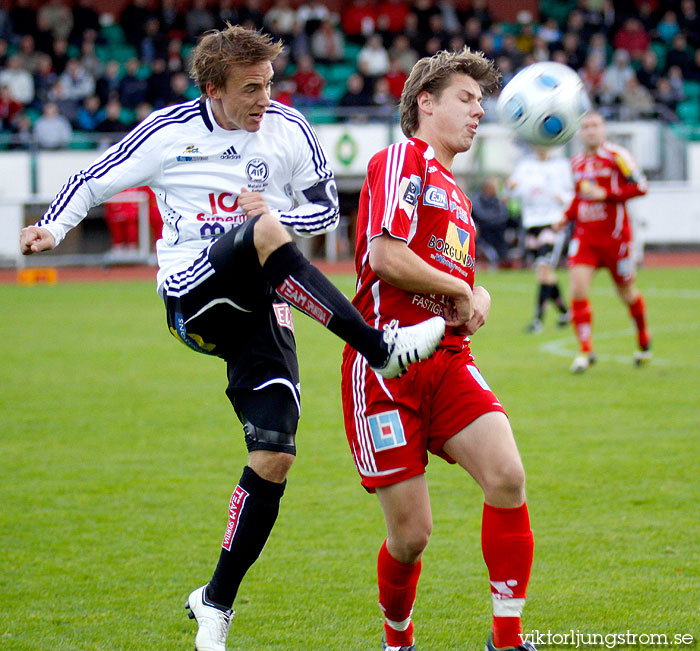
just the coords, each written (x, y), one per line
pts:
(34, 239)
(395, 263)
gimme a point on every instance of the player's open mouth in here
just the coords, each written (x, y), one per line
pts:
(257, 116)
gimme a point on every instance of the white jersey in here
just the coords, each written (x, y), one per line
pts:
(197, 169)
(545, 189)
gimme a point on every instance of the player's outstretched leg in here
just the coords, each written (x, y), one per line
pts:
(582, 318)
(642, 355)
(303, 286)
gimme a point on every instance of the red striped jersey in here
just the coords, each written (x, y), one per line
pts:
(409, 195)
(613, 168)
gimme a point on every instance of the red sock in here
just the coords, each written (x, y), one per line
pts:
(507, 545)
(397, 593)
(638, 312)
(582, 318)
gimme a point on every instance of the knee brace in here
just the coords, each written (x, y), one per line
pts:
(259, 438)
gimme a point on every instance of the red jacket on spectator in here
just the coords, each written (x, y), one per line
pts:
(356, 15)
(395, 12)
(632, 37)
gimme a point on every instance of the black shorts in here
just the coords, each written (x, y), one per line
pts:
(222, 305)
(545, 245)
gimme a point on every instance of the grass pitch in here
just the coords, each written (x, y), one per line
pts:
(119, 451)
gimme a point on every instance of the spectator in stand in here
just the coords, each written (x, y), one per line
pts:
(153, 44)
(175, 61)
(52, 130)
(525, 38)
(158, 83)
(27, 54)
(198, 20)
(44, 80)
(309, 83)
(452, 15)
(550, 32)
(487, 45)
(403, 53)
(18, 80)
(575, 51)
(3, 52)
(179, 87)
(76, 81)
(540, 49)
(327, 44)
(89, 59)
(43, 38)
(280, 20)
(133, 89)
(491, 216)
(23, 18)
(510, 49)
(436, 26)
(592, 75)
(132, 19)
(479, 9)
(21, 129)
(424, 10)
(637, 101)
(632, 37)
(251, 14)
(85, 19)
(694, 72)
(648, 73)
(689, 22)
(112, 122)
(392, 14)
(668, 26)
(67, 106)
(395, 78)
(383, 101)
(58, 16)
(9, 107)
(311, 14)
(89, 114)
(373, 59)
(358, 20)
(356, 96)
(679, 55)
(107, 86)
(143, 110)
(666, 100)
(224, 13)
(576, 24)
(592, 15)
(59, 55)
(505, 66)
(615, 78)
(599, 45)
(676, 79)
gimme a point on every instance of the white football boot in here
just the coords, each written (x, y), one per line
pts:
(213, 623)
(410, 344)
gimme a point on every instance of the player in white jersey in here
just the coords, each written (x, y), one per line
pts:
(544, 185)
(233, 172)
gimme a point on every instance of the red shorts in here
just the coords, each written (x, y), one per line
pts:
(614, 254)
(391, 425)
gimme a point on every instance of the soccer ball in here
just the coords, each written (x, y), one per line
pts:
(544, 103)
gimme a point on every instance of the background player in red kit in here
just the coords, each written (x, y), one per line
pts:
(606, 176)
(414, 259)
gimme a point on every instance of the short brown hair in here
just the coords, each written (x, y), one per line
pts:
(432, 74)
(218, 51)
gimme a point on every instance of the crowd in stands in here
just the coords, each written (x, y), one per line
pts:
(64, 68)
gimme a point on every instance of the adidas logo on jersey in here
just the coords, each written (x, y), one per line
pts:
(230, 154)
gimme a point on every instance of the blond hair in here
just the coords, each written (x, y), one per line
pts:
(219, 51)
(433, 74)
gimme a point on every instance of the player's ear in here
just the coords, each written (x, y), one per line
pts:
(425, 102)
(213, 92)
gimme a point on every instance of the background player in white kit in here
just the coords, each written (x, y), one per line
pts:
(230, 171)
(544, 185)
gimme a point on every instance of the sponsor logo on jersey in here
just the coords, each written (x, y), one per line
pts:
(386, 430)
(190, 154)
(430, 302)
(230, 154)
(295, 293)
(257, 170)
(454, 247)
(283, 314)
(409, 191)
(432, 169)
(435, 196)
(234, 511)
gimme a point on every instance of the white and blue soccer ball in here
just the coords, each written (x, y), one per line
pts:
(544, 103)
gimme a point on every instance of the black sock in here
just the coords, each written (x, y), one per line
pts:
(299, 283)
(252, 513)
(555, 296)
(542, 296)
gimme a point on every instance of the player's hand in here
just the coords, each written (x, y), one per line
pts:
(34, 239)
(459, 309)
(557, 226)
(592, 191)
(252, 203)
(482, 306)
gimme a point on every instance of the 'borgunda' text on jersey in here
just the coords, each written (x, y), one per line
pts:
(197, 169)
(545, 189)
(612, 168)
(411, 196)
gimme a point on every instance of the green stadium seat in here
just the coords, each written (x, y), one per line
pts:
(122, 53)
(113, 34)
(660, 49)
(692, 90)
(689, 112)
(334, 91)
(339, 72)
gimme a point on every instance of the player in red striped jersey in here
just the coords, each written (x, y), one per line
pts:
(606, 177)
(415, 259)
